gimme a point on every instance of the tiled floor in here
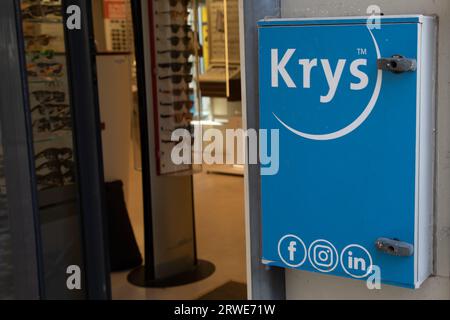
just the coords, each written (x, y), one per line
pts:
(219, 205)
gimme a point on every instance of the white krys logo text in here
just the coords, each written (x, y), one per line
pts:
(333, 77)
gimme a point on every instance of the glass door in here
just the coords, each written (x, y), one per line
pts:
(62, 111)
(50, 105)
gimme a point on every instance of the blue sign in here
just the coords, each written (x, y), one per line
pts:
(348, 145)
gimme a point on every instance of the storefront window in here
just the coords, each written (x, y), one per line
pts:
(54, 154)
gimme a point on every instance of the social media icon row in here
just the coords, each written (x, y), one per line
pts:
(323, 256)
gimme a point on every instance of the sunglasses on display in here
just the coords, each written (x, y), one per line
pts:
(55, 179)
(178, 92)
(177, 78)
(57, 166)
(179, 117)
(42, 125)
(48, 54)
(61, 122)
(176, 27)
(176, 40)
(53, 123)
(178, 105)
(52, 109)
(51, 180)
(42, 40)
(69, 177)
(176, 67)
(53, 82)
(44, 69)
(55, 154)
(175, 54)
(36, 11)
(43, 96)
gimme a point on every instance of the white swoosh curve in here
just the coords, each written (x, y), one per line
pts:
(355, 124)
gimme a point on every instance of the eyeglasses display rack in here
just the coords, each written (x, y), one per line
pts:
(168, 63)
(48, 93)
(175, 60)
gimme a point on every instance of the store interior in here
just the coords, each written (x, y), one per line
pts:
(209, 31)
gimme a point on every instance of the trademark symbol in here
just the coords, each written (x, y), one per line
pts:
(362, 51)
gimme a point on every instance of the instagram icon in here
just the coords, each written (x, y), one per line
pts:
(323, 256)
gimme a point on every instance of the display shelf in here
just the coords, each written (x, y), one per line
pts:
(175, 59)
(43, 20)
(41, 138)
(43, 81)
(50, 107)
(55, 53)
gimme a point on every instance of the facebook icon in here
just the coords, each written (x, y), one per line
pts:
(292, 250)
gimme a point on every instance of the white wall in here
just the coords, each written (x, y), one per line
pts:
(304, 285)
(116, 103)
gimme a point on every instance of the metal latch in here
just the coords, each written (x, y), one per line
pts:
(394, 247)
(397, 64)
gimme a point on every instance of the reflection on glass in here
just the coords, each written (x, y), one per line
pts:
(51, 113)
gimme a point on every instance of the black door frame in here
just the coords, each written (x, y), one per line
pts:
(136, 9)
(81, 56)
(19, 164)
(19, 175)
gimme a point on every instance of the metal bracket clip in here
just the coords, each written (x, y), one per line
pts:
(394, 247)
(397, 64)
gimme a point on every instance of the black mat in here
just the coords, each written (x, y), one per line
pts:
(229, 291)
